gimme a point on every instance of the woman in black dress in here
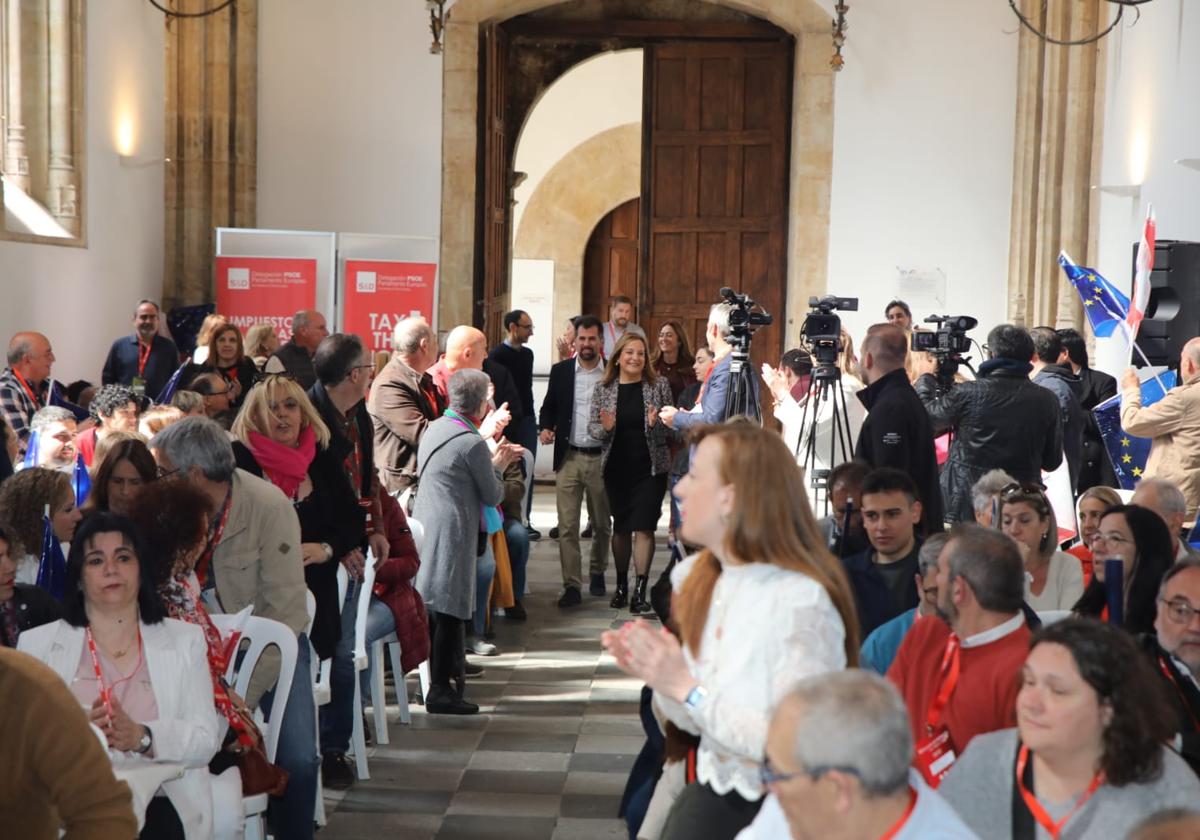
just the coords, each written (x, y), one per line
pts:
(635, 460)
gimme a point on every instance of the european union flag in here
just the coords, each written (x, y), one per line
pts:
(31, 450)
(52, 567)
(1128, 453)
(81, 481)
(53, 397)
(168, 391)
(1106, 306)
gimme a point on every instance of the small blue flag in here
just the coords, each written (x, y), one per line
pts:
(1106, 306)
(81, 481)
(171, 387)
(1128, 453)
(31, 450)
(52, 567)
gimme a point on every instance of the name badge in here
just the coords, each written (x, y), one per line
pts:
(138, 386)
(935, 756)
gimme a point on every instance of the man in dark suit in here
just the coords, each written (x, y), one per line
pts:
(563, 421)
(1174, 651)
(1096, 386)
(145, 360)
(897, 432)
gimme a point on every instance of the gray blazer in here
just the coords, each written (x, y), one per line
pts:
(456, 480)
(657, 394)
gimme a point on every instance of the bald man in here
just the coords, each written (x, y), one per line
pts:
(466, 349)
(295, 357)
(897, 432)
(25, 383)
(1174, 424)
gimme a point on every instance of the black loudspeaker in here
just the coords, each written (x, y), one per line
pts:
(1173, 312)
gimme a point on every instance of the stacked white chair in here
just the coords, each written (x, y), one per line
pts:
(321, 695)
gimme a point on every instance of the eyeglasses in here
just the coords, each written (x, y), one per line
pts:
(769, 775)
(1110, 539)
(161, 473)
(1180, 611)
(1026, 489)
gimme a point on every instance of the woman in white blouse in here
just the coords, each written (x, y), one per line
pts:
(1053, 578)
(143, 679)
(761, 607)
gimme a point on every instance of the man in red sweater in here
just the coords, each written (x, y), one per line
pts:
(959, 671)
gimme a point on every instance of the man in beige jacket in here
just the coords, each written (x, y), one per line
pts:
(1174, 424)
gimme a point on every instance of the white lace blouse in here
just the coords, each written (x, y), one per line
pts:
(767, 629)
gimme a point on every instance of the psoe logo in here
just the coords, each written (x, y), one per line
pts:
(238, 278)
(364, 282)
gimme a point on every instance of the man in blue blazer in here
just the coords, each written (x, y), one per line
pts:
(145, 360)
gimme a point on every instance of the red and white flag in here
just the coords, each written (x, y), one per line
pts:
(1141, 277)
(1060, 497)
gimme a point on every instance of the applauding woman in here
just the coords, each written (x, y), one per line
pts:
(227, 355)
(143, 679)
(635, 459)
(763, 606)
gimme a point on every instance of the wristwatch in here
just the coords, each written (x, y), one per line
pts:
(695, 698)
(147, 741)
(328, 549)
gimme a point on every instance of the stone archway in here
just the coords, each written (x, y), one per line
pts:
(560, 217)
(810, 178)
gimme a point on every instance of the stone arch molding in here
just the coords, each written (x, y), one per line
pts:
(810, 179)
(560, 216)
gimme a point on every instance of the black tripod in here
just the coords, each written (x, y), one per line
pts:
(826, 393)
(742, 396)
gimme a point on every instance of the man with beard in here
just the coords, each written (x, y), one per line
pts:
(563, 421)
(1174, 650)
(957, 671)
(620, 311)
(145, 360)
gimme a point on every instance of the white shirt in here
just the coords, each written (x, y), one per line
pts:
(585, 384)
(767, 629)
(791, 416)
(612, 334)
(1064, 584)
(996, 633)
(932, 818)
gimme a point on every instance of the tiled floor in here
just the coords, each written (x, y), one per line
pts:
(549, 753)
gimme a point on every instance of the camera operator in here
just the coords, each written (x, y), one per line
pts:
(897, 432)
(1002, 420)
(712, 397)
(1060, 380)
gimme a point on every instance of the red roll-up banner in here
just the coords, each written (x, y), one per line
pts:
(378, 294)
(256, 290)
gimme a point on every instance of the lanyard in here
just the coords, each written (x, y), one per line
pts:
(899, 824)
(1162, 664)
(1039, 813)
(143, 357)
(28, 390)
(949, 670)
(106, 693)
(613, 332)
(213, 541)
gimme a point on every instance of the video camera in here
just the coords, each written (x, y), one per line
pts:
(947, 344)
(743, 320)
(821, 332)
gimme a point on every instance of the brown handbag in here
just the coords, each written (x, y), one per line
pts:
(259, 775)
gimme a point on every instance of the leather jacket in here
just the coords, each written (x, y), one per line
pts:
(1002, 420)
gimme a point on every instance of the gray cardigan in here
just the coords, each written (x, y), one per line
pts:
(656, 394)
(979, 787)
(456, 480)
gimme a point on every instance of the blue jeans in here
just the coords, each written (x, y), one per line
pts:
(518, 554)
(485, 570)
(337, 716)
(291, 815)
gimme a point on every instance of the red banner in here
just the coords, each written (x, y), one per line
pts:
(377, 295)
(256, 290)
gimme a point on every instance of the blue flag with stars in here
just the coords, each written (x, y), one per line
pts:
(1128, 453)
(1106, 306)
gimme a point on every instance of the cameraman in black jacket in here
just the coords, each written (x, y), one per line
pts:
(1002, 420)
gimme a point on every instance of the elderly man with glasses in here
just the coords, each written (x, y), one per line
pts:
(1174, 650)
(838, 766)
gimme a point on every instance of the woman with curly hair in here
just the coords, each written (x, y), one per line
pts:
(23, 501)
(1087, 757)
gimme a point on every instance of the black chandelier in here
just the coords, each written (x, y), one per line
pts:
(1121, 5)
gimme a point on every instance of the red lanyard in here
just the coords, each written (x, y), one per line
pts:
(1039, 813)
(106, 693)
(143, 357)
(1182, 697)
(899, 824)
(613, 332)
(949, 671)
(28, 390)
(214, 541)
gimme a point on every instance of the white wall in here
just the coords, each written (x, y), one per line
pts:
(923, 155)
(1152, 119)
(82, 298)
(349, 117)
(601, 93)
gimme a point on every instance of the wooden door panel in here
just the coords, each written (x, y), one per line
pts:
(612, 258)
(496, 262)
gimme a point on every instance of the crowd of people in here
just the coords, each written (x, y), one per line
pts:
(831, 661)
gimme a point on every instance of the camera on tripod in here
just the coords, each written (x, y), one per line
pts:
(947, 345)
(743, 320)
(821, 332)
(742, 396)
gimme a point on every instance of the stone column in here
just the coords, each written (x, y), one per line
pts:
(16, 160)
(63, 179)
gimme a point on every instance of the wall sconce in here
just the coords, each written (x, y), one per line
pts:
(437, 22)
(839, 36)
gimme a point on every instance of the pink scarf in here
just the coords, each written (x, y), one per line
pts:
(284, 466)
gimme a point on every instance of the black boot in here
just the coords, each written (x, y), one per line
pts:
(621, 598)
(638, 603)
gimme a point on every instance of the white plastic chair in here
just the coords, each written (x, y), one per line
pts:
(321, 695)
(262, 633)
(358, 738)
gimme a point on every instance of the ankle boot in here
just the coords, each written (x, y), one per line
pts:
(638, 603)
(621, 597)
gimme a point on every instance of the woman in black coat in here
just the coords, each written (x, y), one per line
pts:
(280, 437)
